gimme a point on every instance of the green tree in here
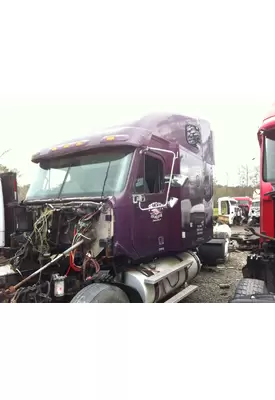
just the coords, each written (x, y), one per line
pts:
(22, 189)
(4, 169)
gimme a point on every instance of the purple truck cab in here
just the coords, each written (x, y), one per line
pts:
(123, 215)
(156, 173)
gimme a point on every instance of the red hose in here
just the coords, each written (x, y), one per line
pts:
(72, 254)
(71, 262)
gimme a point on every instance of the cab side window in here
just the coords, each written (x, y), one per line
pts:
(150, 177)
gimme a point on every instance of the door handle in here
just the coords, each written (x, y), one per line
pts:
(138, 198)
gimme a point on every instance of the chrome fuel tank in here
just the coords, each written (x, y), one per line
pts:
(158, 280)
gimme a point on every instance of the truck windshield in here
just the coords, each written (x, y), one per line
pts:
(243, 202)
(269, 161)
(94, 175)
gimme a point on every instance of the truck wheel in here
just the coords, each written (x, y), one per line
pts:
(100, 293)
(248, 287)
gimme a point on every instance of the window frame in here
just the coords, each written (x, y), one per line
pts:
(125, 153)
(264, 163)
(142, 159)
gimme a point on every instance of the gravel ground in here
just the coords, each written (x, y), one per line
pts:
(209, 279)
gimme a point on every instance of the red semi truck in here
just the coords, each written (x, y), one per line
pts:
(258, 283)
(245, 204)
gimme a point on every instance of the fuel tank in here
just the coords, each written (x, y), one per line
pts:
(159, 279)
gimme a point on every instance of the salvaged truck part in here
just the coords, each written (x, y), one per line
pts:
(8, 199)
(124, 215)
(245, 240)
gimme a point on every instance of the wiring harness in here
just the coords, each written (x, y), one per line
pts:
(40, 229)
(82, 229)
(38, 240)
(38, 235)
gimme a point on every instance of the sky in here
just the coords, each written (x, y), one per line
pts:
(70, 68)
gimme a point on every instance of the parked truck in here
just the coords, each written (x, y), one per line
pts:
(245, 204)
(229, 211)
(258, 283)
(255, 212)
(123, 215)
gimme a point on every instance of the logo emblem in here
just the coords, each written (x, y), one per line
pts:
(155, 213)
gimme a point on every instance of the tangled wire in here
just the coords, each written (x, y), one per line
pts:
(38, 240)
(82, 229)
(39, 233)
(40, 229)
(37, 293)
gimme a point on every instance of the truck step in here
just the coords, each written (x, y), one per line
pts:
(182, 294)
(159, 276)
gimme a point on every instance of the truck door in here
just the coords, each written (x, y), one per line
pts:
(148, 227)
(226, 210)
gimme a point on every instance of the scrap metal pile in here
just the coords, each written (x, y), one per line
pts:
(245, 240)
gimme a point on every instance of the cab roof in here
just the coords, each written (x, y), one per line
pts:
(135, 134)
(268, 122)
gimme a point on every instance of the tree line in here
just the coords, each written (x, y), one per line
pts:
(249, 180)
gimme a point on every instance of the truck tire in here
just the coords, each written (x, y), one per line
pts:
(100, 293)
(248, 287)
